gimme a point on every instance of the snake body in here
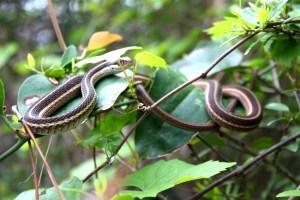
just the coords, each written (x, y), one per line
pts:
(215, 108)
(38, 116)
(40, 119)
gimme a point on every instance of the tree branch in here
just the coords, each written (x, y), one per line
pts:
(55, 25)
(243, 169)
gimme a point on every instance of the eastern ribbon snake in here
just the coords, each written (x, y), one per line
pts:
(41, 122)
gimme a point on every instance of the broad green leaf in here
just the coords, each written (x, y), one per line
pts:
(6, 52)
(55, 72)
(2, 97)
(72, 189)
(289, 193)
(153, 136)
(111, 56)
(277, 107)
(69, 55)
(150, 59)
(108, 90)
(156, 178)
(295, 145)
(30, 61)
(199, 59)
(102, 39)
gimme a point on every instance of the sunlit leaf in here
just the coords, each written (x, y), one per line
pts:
(150, 59)
(155, 178)
(30, 61)
(102, 39)
(277, 107)
(289, 193)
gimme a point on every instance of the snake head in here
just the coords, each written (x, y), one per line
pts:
(125, 62)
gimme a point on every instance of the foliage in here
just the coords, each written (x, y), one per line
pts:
(156, 39)
(155, 178)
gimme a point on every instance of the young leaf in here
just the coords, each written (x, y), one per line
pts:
(69, 55)
(277, 107)
(55, 72)
(289, 193)
(150, 59)
(30, 61)
(2, 97)
(156, 178)
(102, 39)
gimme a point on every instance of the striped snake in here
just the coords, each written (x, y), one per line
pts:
(38, 116)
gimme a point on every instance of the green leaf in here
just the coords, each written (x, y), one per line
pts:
(262, 143)
(156, 178)
(70, 188)
(55, 72)
(6, 52)
(153, 136)
(289, 193)
(199, 59)
(150, 59)
(277, 107)
(30, 61)
(108, 90)
(69, 55)
(2, 97)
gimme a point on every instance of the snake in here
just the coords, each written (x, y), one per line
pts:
(221, 116)
(39, 117)
(41, 122)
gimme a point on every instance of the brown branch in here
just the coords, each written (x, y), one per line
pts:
(111, 157)
(35, 180)
(243, 169)
(55, 25)
(51, 176)
(246, 149)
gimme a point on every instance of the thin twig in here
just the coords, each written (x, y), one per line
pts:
(246, 149)
(35, 180)
(51, 176)
(244, 168)
(110, 159)
(212, 148)
(55, 25)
